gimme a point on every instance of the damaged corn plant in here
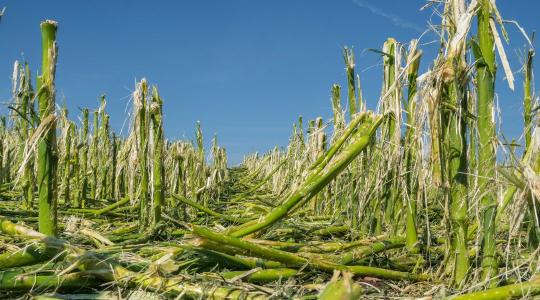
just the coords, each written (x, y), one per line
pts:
(419, 198)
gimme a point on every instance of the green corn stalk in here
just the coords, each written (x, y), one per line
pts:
(436, 160)
(75, 164)
(455, 150)
(361, 104)
(534, 229)
(18, 114)
(103, 152)
(200, 145)
(67, 160)
(390, 129)
(310, 130)
(389, 79)
(348, 56)
(105, 157)
(339, 119)
(527, 98)
(301, 133)
(46, 175)
(320, 150)
(142, 132)
(94, 156)
(121, 178)
(264, 275)
(83, 168)
(26, 132)
(530, 154)
(199, 166)
(8, 162)
(453, 114)
(158, 182)
(411, 154)
(16, 281)
(485, 77)
(179, 187)
(521, 290)
(3, 133)
(341, 288)
(473, 143)
(114, 154)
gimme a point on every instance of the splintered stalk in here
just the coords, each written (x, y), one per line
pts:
(142, 135)
(391, 132)
(390, 103)
(3, 133)
(411, 153)
(339, 119)
(179, 187)
(27, 131)
(348, 56)
(527, 99)
(455, 142)
(453, 111)
(67, 161)
(158, 182)
(103, 153)
(200, 145)
(485, 77)
(105, 156)
(199, 164)
(361, 104)
(94, 155)
(83, 168)
(75, 164)
(531, 150)
(46, 159)
(114, 153)
(300, 131)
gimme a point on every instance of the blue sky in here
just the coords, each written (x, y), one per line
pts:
(246, 69)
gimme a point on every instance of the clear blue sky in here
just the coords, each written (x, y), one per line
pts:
(246, 69)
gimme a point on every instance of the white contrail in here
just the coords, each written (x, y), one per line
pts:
(395, 19)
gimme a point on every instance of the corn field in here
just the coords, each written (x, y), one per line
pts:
(420, 198)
